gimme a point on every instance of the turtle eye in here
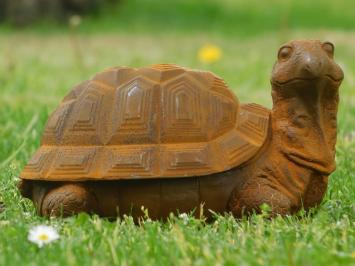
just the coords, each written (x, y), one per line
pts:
(328, 47)
(284, 53)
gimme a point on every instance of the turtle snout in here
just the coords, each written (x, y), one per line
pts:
(312, 67)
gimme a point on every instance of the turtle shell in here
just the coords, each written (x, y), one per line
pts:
(153, 122)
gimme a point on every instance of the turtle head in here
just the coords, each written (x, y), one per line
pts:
(306, 61)
(305, 81)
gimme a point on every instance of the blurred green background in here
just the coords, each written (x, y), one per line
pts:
(186, 16)
(46, 47)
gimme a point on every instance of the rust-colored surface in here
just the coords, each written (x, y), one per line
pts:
(160, 121)
(170, 139)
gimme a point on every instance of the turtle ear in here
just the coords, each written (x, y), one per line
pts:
(328, 47)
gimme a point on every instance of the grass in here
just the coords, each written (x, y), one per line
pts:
(38, 69)
(242, 17)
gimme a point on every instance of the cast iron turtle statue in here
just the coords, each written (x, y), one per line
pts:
(170, 139)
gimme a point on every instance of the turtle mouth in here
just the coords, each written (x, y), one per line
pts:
(320, 166)
(300, 79)
(330, 77)
(293, 80)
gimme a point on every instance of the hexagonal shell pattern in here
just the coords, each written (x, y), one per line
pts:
(159, 121)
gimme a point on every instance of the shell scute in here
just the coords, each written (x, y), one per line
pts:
(183, 118)
(130, 161)
(182, 157)
(39, 164)
(74, 163)
(134, 112)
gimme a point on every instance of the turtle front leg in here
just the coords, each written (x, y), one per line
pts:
(68, 199)
(250, 198)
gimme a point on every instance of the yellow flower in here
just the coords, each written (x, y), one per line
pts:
(209, 54)
(75, 21)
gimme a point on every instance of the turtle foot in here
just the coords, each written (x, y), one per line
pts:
(252, 198)
(67, 200)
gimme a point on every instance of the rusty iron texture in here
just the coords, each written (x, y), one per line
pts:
(172, 139)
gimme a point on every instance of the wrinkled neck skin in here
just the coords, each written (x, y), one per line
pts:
(301, 154)
(304, 123)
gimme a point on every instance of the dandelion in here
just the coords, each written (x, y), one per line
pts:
(209, 54)
(42, 235)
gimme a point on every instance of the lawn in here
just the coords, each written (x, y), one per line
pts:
(38, 67)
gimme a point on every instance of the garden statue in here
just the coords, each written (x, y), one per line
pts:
(172, 139)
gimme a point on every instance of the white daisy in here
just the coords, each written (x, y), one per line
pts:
(42, 234)
(183, 216)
